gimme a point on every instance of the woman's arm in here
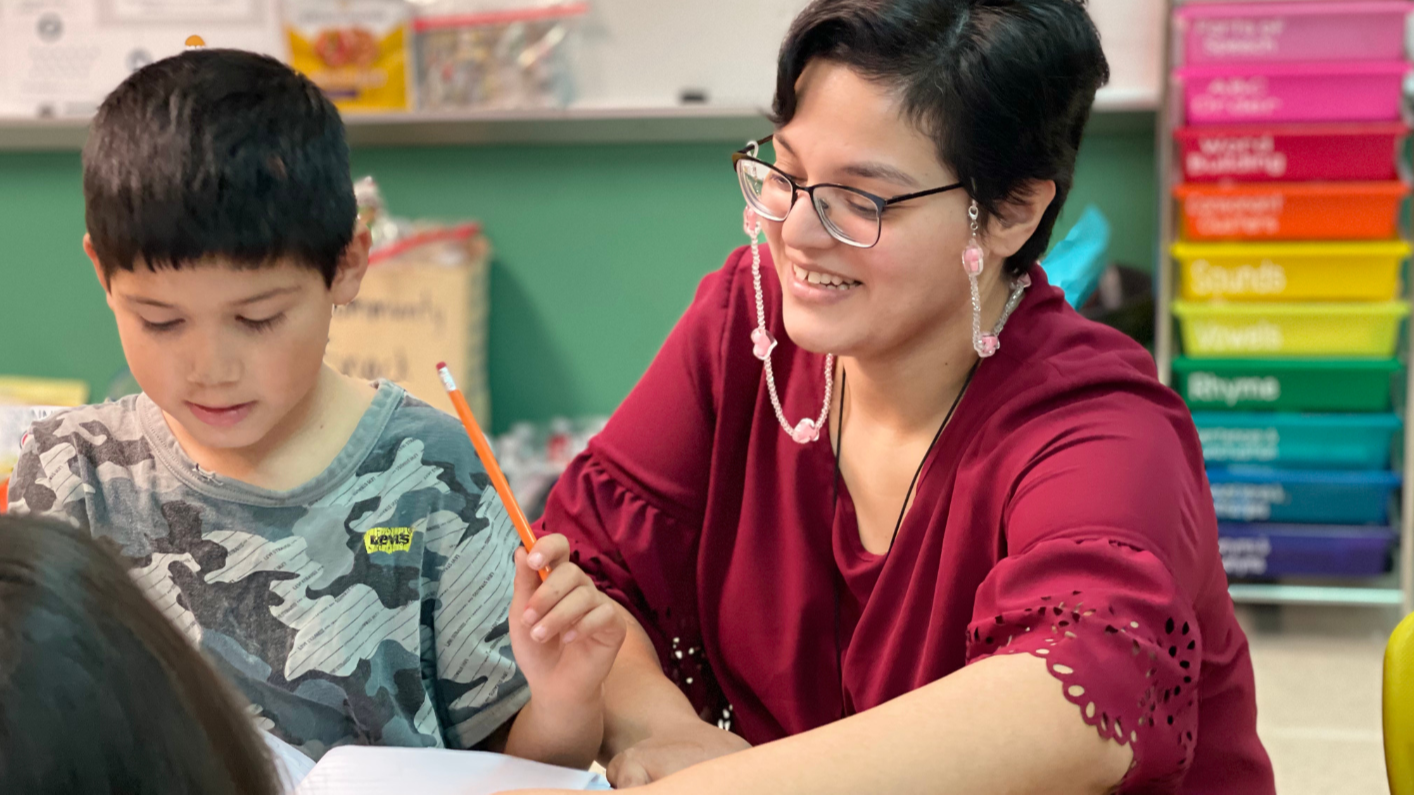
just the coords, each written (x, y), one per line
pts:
(998, 726)
(650, 728)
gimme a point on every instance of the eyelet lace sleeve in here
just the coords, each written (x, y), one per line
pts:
(1110, 623)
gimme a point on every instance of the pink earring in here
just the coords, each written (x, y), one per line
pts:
(974, 261)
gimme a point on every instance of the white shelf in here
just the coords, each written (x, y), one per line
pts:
(1316, 595)
(584, 125)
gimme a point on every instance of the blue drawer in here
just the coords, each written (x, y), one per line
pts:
(1267, 494)
(1280, 550)
(1298, 441)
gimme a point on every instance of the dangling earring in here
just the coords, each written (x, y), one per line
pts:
(763, 344)
(973, 262)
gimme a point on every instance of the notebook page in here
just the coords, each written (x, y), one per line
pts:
(291, 765)
(365, 770)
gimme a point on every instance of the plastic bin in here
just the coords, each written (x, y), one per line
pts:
(1247, 330)
(1283, 550)
(1291, 152)
(1292, 92)
(1298, 441)
(1322, 31)
(1257, 493)
(1344, 385)
(1291, 210)
(1291, 271)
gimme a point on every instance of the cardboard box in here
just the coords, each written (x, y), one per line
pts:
(356, 51)
(424, 300)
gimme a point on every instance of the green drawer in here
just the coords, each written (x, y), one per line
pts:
(1286, 384)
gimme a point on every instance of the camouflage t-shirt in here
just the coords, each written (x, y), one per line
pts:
(366, 606)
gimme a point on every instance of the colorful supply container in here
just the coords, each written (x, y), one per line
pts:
(1310, 31)
(1298, 441)
(1355, 271)
(1293, 92)
(1284, 550)
(1339, 385)
(1261, 494)
(1291, 152)
(1260, 330)
(1291, 210)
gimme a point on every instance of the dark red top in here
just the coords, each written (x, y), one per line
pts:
(1063, 513)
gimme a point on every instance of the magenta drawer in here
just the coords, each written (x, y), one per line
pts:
(1291, 153)
(1288, 32)
(1304, 92)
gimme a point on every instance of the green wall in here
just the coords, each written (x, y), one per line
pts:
(598, 250)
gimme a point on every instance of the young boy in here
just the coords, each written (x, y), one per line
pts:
(333, 546)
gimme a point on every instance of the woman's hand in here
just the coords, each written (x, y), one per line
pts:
(672, 750)
(565, 633)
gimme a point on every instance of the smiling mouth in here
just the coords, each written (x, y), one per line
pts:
(826, 280)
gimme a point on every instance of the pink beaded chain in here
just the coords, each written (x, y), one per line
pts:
(807, 430)
(763, 343)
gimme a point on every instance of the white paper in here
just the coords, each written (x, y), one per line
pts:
(291, 765)
(365, 770)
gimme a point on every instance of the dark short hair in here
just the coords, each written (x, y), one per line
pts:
(1003, 87)
(218, 153)
(99, 693)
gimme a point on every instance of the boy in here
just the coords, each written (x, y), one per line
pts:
(334, 546)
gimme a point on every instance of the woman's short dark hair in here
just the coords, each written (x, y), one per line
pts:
(1003, 87)
(99, 694)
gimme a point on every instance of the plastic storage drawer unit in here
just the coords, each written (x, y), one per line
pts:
(1283, 550)
(1291, 211)
(1248, 330)
(1298, 441)
(1291, 152)
(1293, 92)
(1262, 494)
(1323, 31)
(1291, 271)
(1341, 385)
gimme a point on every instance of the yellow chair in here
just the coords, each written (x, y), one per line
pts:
(1399, 708)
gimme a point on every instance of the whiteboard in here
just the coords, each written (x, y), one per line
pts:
(645, 53)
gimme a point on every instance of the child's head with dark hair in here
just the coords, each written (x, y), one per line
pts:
(895, 97)
(218, 153)
(98, 692)
(223, 227)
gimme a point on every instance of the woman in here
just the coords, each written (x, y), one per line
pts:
(98, 692)
(885, 501)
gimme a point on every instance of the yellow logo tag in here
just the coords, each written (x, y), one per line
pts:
(388, 539)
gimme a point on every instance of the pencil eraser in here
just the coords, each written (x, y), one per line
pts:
(441, 365)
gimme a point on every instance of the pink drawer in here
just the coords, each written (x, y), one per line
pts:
(1304, 92)
(1291, 153)
(1323, 31)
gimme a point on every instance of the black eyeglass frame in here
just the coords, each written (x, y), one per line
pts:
(752, 148)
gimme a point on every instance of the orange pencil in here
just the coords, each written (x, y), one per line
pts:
(488, 460)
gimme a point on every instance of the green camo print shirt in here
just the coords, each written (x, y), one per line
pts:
(366, 606)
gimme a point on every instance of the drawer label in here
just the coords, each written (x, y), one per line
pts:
(1216, 281)
(1213, 388)
(1247, 502)
(1219, 337)
(1240, 444)
(1236, 157)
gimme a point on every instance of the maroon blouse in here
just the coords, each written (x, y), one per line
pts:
(1063, 513)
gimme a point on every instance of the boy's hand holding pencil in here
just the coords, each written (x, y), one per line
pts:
(565, 633)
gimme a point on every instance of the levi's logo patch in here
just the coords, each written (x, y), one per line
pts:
(388, 539)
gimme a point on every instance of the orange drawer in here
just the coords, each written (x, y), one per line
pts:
(1291, 211)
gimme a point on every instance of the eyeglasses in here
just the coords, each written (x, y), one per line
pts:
(851, 216)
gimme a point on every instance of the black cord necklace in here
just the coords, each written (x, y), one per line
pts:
(836, 577)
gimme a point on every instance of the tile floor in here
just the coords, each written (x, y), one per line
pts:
(1318, 675)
